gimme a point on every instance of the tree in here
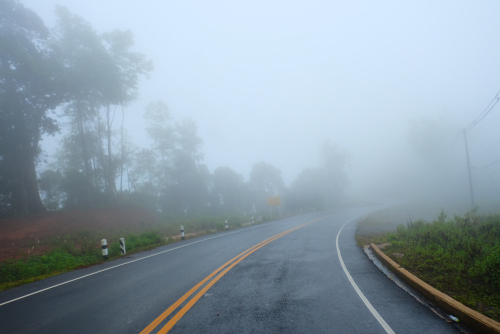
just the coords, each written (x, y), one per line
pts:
(50, 187)
(144, 172)
(85, 61)
(307, 190)
(265, 181)
(179, 177)
(187, 190)
(127, 67)
(161, 132)
(321, 187)
(29, 89)
(227, 191)
(102, 73)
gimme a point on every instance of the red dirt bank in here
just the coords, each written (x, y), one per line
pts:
(18, 234)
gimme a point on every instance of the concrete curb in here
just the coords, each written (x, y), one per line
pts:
(474, 320)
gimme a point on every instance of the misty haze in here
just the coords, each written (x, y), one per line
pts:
(172, 140)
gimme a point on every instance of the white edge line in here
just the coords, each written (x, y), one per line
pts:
(142, 258)
(377, 316)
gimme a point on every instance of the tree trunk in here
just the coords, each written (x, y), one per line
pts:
(21, 153)
(110, 174)
(85, 157)
(26, 196)
(121, 166)
(33, 200)
(101, 153)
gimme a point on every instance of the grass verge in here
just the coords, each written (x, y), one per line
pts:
(69, 257)
(82, 249)
(459, 256)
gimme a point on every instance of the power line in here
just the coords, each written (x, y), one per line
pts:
(485, 112)
(492, 163)
(487, 149)
(493, 182)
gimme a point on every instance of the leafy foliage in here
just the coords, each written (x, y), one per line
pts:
(89, 76)
(322, 187)
(66, 256)
(29, 88)
(459, 256)
(82, 249)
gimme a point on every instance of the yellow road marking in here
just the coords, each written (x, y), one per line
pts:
(237, 259)
(196, 287)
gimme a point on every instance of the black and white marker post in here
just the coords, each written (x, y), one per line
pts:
(122, 246)
(104, 246)
(226, 225)
(182, 232)
(252, 220)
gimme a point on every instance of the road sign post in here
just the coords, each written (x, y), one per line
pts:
(272, 201)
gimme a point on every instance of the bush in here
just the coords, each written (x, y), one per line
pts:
(56, 261)
(459, 256)
(487, 268)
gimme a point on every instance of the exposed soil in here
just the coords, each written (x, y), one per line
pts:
(21, 236)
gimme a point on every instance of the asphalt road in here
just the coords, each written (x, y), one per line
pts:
(293, 284)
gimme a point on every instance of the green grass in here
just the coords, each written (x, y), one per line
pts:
(68, 257)
(387, 220)
(82, 249)
(459, 256)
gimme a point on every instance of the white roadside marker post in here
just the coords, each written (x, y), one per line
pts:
(252, 220)
(226, 225)
(122, 246)
(104, 246)
(182, 232)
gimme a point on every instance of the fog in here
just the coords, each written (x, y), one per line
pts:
(392, 84)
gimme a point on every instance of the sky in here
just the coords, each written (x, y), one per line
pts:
(271, 80)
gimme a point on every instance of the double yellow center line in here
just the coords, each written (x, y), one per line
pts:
(221, 271)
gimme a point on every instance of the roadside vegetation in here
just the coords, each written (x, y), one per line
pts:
(458, 256)
(82, 249)
(70, 81)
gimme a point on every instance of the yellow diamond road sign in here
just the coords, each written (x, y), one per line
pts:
(274, 201)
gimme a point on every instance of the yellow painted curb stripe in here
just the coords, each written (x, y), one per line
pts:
(475, 320)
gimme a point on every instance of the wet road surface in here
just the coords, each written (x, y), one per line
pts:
(292, 284)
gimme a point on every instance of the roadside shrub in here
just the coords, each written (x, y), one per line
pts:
(219, 226)
(459, 256)
(142, 240)
(56, 261)
(82, 248)
(488, 268)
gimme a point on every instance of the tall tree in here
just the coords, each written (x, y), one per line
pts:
(103, 74)
(161, 131)
(28, 90)
(265, 181)
(227, 190)
(127, 68)
(85, 60)
(187, 190)
(321, 187)
(307, 191)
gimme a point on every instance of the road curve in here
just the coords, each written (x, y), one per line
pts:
(288, 278)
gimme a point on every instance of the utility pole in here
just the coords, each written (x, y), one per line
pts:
(468, 168)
